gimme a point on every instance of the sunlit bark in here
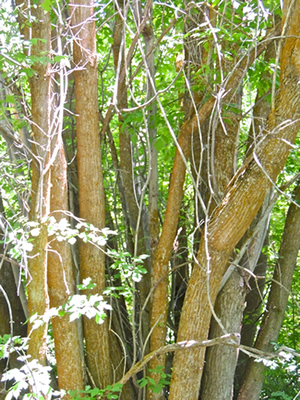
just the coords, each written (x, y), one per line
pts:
(229, 303)
(231, 219)
(277, 302)
(165, 245)
(38, 301)
(90, 178)
(61, 282)
(254, 260)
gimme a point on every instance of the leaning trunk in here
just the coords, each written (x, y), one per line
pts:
(231, 219)
(278, 299)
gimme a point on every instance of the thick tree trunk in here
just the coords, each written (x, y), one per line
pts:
(277, 302)
(251, 318)
(90, 179)
(231, 219)
(224, 165)
(261, 111)
(164, 249)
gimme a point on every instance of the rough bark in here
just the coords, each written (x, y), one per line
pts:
(277, 302)
(223, 355)
(61, 283)
(38, 301)
(90, 178)
(165, 245)
(251, 318)
(224, 165)
(231, 219)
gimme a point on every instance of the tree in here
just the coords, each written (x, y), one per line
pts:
(159, 141)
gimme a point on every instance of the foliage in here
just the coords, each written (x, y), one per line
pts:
(282, 378)
(156, 387)
(110, 392)
(221, 34)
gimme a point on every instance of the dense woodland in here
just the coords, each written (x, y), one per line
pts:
(149, 199)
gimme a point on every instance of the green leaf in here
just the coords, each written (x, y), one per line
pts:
(46, 5)
(142, 382)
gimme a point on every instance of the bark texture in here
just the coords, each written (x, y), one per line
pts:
(277, 302)
(159, 309)
(231, 219)
(221, 387)
(61, 283)
(224, 165)
(90, 178)
(38, 301)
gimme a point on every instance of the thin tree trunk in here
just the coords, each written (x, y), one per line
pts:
(12, 315)
(126, 166)
(251, 317)
(154, 227)
(120, 333)
(277, 302)
(90, 179)
(231, 219)
(61, 283)
(38, 301)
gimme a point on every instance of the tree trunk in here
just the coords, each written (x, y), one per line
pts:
(38, 301)
(231, 219)
(12, 315)
(230, 313)
(126, 165)
(61, 283)
(278, 299)
(90, 179)
(251, 318)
